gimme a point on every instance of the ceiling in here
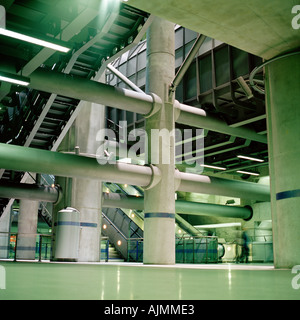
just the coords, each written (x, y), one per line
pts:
(263, 28)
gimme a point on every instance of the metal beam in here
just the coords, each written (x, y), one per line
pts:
(120, 75)
(187, 62)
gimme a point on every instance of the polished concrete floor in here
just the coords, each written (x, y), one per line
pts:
(126, 281)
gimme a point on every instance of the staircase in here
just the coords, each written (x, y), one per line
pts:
(113, 255)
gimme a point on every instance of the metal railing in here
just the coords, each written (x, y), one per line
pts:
(9, 246)
(197, 249)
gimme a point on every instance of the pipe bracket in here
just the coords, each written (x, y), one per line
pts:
(156, 105)
(155, 177)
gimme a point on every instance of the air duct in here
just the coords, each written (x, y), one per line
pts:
(115, 200)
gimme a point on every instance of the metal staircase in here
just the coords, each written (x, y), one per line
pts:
(37, 119)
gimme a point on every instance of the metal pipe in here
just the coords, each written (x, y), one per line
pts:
(187, 62)
(121, 76)
(213, 210)
(27, 191)
(223, 187)
(198, 118)
(75, 166)
(115, 200)
(92, 91)
(72, 166)
(89, 90)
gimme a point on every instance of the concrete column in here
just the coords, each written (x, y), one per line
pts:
(159, 228)
(5, 224)
(283, 97)
(27, 228)
(86, 193)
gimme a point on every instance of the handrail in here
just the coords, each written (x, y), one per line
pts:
(41, 235)
(117, 229)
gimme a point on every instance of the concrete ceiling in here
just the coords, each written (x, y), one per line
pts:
(263, 28)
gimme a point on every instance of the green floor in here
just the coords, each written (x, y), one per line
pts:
(32, 280)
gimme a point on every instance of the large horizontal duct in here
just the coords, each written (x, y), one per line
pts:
(115, 200)
(89, 90)
(70, 165)
(29, 191)
(92, 91)
(75, 166)
(223, 187)
(199, 118)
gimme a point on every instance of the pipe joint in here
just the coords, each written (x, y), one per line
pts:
(155, 177)
(177, 110)
(156, 105)
(250, 213)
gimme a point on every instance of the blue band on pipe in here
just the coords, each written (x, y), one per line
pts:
(288, 194)
(160, 215)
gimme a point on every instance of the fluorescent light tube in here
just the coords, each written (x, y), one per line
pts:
(15, 79)
(249, 173)
(36, 41)
(252, 159)
(212, 167)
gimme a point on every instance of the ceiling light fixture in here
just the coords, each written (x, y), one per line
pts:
(36, 41)
(15, 79)
(250, 158)
(249, 173)
(212, 167)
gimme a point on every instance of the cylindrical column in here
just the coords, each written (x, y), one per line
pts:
(283, 97)
(67, 235)
(27, 229)
(159, 228)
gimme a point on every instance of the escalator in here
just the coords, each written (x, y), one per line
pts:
(124, 229)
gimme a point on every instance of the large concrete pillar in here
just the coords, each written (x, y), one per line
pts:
(283, 98)
(86, 193)
(27, 229)
(5, 224)
(159, 228)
